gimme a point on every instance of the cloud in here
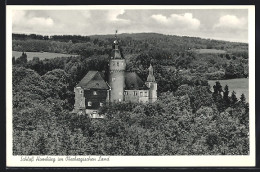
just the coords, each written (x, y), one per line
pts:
(40, 21)
(21, 19)
(216, 24)
(178, 21)
(113, 16)
(231, 22)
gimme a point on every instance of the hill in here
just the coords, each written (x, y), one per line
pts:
(143, 40)
(213, 59)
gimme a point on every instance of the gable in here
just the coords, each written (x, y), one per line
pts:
(93, 80)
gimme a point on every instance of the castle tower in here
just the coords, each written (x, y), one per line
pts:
(152, 85)
(117, 66)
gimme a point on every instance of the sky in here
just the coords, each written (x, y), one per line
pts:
(220, 24)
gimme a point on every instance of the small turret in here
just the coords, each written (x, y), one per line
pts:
(152, 85)
(150, 77)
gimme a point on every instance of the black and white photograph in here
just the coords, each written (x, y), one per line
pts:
(130, 86)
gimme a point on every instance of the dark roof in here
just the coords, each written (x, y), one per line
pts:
(115, 54)
(93, 80)
(134, 82)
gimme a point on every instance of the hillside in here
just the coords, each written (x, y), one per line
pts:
(139, 39)
(213, 59)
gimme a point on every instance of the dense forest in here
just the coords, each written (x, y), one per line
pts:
(187, 119)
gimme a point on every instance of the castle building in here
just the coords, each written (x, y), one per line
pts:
(93, 91)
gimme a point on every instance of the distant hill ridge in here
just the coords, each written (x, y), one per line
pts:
(131, 43)
(140, 36)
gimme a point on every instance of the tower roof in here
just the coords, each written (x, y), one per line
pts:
(93, 80)
(116, 52)
(150, 77)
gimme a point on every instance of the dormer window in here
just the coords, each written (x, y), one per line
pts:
(94, 93)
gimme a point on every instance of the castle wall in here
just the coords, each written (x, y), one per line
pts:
(152, 91)
(138, 96)
(79, 98)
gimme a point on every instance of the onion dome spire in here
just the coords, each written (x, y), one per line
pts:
(115, 52)
(116, 41)
(150, 77)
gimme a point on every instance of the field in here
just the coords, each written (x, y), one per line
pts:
(41, 55)
(209, 51)
(238, 85)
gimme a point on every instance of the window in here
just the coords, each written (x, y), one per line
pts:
(135, 93)
(101, 104)
(145, 93)
(126, 93)
(80, 91)
(117, 63)
(94, 93)
(113, 63)
(141, 93)
(89, 103)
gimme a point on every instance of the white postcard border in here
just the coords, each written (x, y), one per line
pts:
(126, 161)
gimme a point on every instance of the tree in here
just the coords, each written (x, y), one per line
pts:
(226, 98)
(228, 57)
(217, 88)
(243, 98)
(58, 83)
(22, 60)
(217, 97)
(13, 60)
(233, 98)
(200, 96)
(41, 146)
